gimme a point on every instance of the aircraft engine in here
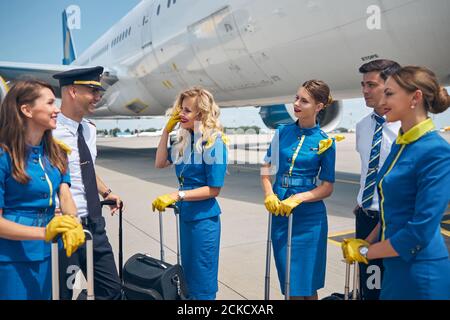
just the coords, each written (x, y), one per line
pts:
(275, 115)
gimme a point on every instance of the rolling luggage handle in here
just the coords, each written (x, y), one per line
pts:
(112, 203)
(355, 292)
(288, 259)
(89, 267)
(176, 211)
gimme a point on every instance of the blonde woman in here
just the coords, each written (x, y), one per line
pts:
(200, 158)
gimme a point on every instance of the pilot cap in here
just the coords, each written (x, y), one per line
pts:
(87, 76)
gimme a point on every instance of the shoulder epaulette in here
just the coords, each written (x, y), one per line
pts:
(63, 146)
(325, 144)
(213, 139)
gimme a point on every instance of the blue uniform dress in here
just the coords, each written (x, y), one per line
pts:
(25, 271)
(296, 174)
(414, 188)
(199, 220)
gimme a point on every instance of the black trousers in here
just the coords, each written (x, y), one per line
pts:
(107, 285)
(371, 274)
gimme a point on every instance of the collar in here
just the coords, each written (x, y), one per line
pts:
(306, 131)
(70, 124)
(415, 133)
(376, 117)
(39, 149)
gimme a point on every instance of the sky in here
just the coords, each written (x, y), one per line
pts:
(31, 31)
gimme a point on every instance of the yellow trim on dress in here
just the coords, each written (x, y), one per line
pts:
(415, 132)
(49, 182)
(380, 185)
(299, 146)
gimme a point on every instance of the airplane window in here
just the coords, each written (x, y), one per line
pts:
(174, 1)
(129, 31)
(168, 3)
(159, 9)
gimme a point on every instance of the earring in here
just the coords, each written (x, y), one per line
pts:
(413, 106)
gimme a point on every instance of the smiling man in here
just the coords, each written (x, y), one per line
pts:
(80, 92)
(374, 137)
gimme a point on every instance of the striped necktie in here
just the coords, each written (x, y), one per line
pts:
(369, 186)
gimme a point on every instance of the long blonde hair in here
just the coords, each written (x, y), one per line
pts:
(208, 126)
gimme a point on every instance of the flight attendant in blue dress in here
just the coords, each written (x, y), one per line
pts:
(200, 158)
(414, 193)
(33, 170)
(300, 154)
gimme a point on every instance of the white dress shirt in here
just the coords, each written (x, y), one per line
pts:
(67, 131)
(365, 129)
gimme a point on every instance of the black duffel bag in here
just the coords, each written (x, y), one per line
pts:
(147, 278)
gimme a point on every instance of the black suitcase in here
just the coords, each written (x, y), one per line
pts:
(146, 278)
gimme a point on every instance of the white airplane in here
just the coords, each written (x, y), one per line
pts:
(252, 52)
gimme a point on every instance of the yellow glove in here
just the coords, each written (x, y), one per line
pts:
(162, 202)
(287, 205)
(272, 203)
(59, 224)
(174, 119)
(350, 250)
(73, 239)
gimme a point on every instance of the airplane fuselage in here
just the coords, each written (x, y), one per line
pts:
(257, 52)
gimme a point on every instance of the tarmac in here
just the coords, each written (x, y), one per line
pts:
(127, 167)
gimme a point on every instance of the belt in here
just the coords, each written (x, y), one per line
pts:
(289, 181)
(370, 213)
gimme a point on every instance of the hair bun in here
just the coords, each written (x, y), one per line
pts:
(442, 101)
(330, 101)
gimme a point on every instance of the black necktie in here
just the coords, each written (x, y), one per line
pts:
(88, 177)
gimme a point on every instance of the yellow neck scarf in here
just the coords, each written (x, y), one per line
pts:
(416, 132)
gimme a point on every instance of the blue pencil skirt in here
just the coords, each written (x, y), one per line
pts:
(200, 243)
(308, 253)
(30, 280)
(417, 280)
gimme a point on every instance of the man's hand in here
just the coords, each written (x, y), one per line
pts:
(115, 198)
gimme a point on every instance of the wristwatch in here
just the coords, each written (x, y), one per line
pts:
(106, 193)
(181, 195)
(363, 250)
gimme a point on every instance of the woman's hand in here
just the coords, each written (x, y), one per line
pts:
(272, 203)
(60, 224)
(350, 250)
(287, 205)
(73, 239)
(173, 121)
(162, 202)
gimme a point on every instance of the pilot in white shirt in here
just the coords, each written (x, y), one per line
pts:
(67, 131)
